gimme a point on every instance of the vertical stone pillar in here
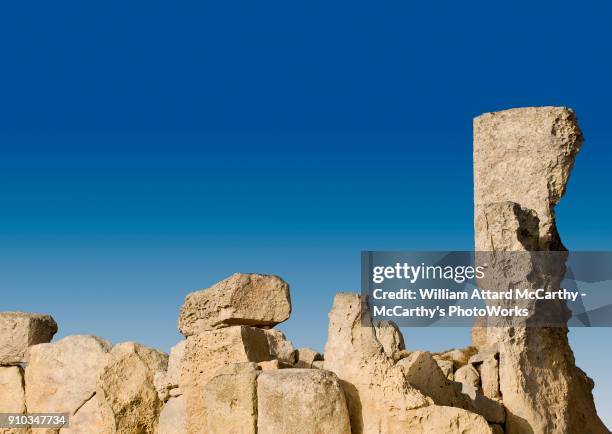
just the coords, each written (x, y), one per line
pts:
(522, 161)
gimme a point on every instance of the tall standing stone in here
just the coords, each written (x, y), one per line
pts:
(522, 161)
(525, 156)
(376, 389)
(205, 354)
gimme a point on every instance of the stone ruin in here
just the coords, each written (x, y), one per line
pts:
(234, 373)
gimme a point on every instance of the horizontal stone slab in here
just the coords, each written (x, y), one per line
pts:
(19, 331)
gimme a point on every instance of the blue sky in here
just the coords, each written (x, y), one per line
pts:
(148, 149)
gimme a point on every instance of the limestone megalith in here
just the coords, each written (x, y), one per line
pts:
(242, 299)
(522, 162)
(21, 330)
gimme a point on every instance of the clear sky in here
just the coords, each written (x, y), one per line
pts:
(148, 149)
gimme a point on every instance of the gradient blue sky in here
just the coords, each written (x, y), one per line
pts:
(149, 149)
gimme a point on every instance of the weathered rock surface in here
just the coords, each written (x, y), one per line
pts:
(459, 357)
(92, 417)
(308, 401)
(177, 353)
(489, 377)
(306, 357)
(468, 375)
(61, 376)
(438, 419)
(281, 348)
(15, 430)
(172, 417)
(167, 382)
(318, 364)
(271, 365)
(12, 392)
(241, 299)
(376, 390)
(422, 372)
(400, 354)
(522, 161)
(162, 388)
(390, 337)
(231, 398)
(485, 353)
(19, 331)
(479, 333)
(491, 409)
(447, 368)
(525, 156)
(205, 354)
(126, 389)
